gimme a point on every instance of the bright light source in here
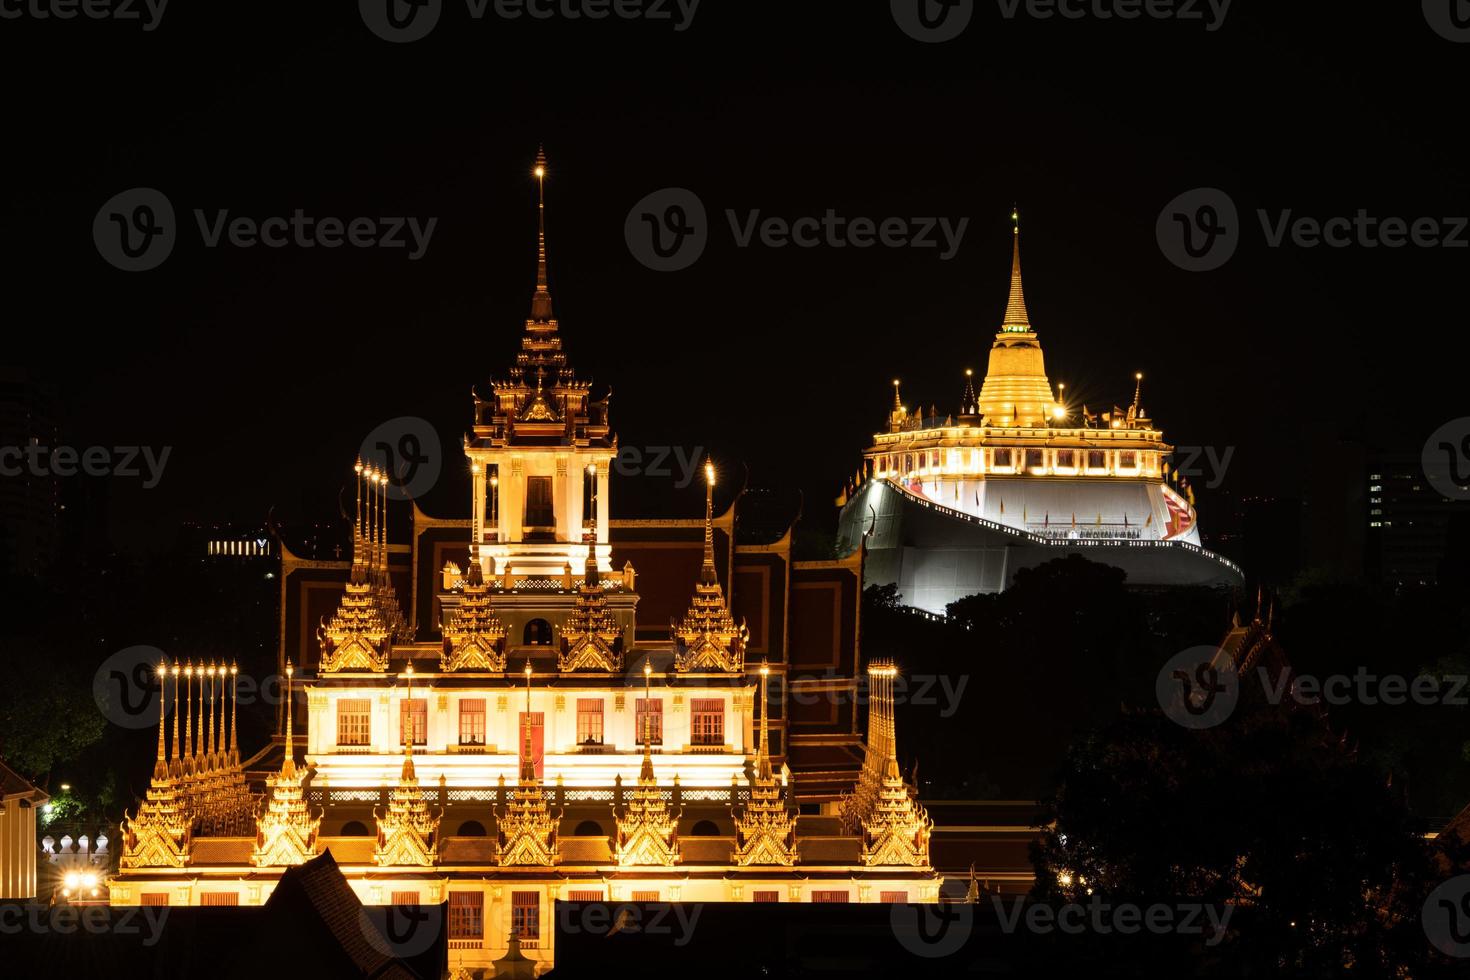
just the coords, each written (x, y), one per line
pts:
(89, 881)
(71, 880)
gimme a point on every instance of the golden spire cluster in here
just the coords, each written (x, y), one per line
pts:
(160, 835)
(526, 835)
(895, 828)
(368, 620)
(407, 835)
(201, 783)
(474, 637)
(286, 832)
(646, 830)
(707, 639)
(766, 830)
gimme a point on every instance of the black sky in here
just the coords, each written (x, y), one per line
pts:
(263, 368)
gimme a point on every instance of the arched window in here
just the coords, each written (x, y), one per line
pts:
(589, 828)
(704, 828)
(354, 828)
(537, 633)
(471, 828)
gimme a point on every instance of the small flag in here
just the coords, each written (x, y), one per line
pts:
(1074, 518)
(1002, 505)
(1150, 519)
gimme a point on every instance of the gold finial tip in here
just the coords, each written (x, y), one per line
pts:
(647, 668)
(765, 671)
(709, 472)
(1138, 376)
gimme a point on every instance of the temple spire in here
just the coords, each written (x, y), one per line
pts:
(528, 762)
(176, 767)
(763, 750)
(541, 299)
(160, 766)
(969, 403)
(1016, 319)
(288, 767)
(707, 574)
(646, 772)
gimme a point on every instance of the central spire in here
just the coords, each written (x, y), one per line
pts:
(541, 299)
(1016, 319)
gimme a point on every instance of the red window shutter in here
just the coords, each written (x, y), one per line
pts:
(584, 896)
(765, 896)
(891, 898)
(405, 898)
(466, 915)
(219, 898)
(645, 896)
(525, 917)
(154, 898)
(830, 896)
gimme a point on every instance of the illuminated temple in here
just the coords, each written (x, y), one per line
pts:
(953, 504)
(540, 702)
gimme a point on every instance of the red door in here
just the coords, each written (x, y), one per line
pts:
(537, 731)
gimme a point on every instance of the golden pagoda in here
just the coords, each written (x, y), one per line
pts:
(285, 833)
(646, 830)
(765, 833)
(895, 828)
(223, 804)
(160, 835)
(708, 638)
(361, 633)
(591, 638)
(407, 834)
(527, 830)
(474, 637)
(1016, 391)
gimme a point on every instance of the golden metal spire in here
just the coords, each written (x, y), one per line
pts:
(765, 832)
(1016, 319)
(707, 638)
(646, 830)
(526, 834)
(234, 712)
(189, 719)
(895, 828)
(176, 768)
(286, 832)
(160, 766)
(541, 299)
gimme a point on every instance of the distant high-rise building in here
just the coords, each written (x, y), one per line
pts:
(30, 495)
(1409, 522)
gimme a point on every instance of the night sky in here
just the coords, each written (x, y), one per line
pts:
(264, 368)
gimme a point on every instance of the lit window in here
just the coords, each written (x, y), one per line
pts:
(1097, 459)
(589, 721)
(1128, 459)
(466, 915)
(1002, 457)
(525, 917)
(472, 721)
(1066, 457)
(1034, 458)
(708, 717)
(354, 721)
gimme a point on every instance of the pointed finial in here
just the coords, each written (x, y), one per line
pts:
(897, 401)
(1016, 319)
(708, 575)
(541, 300)
(289, 766)
(160, 767)
(1133, 411)
(763, 756)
